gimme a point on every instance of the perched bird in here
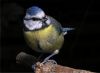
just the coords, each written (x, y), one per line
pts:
(42, 32)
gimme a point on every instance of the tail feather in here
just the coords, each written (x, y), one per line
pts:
(67, 29)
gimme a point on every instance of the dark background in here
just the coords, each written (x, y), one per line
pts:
(81, 47)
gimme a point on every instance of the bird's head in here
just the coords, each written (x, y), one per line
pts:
(35, 18)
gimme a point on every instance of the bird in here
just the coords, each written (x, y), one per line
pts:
(42, 32)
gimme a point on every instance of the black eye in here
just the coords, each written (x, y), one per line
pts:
(35, 19)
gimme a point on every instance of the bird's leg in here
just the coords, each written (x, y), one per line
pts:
(47, 58)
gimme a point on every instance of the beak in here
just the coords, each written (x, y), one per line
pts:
(44, 19)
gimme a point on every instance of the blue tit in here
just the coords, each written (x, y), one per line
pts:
(42, 32)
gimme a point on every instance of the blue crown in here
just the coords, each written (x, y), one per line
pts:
(33, 10)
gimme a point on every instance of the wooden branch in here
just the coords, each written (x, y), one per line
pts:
(54, 68)
(49, 67)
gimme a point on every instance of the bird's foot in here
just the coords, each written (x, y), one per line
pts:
(42, 65)
(46, 60)
(48, 67)
(50, 61)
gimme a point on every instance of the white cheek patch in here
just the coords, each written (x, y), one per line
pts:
(32, 25)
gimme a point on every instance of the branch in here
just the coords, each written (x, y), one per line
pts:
(48, 67)
(51, 68)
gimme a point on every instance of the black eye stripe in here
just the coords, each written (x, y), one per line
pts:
(35, 19)
(32, 19)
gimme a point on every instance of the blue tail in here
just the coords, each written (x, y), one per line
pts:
(67, 29)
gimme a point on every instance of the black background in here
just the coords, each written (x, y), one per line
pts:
(81, 47)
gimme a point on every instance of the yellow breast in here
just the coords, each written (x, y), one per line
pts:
(48, 39)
